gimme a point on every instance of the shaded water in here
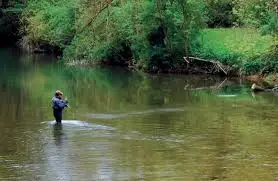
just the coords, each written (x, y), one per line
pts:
(131, 126)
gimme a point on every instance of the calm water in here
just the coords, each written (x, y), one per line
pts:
(131, 126)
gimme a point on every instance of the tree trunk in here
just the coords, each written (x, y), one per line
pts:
(184, 27)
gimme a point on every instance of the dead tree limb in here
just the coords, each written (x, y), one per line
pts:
(216, 64)
(214, 87)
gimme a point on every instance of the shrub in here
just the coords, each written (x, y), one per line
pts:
(220, 13)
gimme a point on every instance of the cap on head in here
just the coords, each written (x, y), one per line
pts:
(58, 93)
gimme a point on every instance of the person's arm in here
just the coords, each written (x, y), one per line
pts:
(61, 104)
(66, 103)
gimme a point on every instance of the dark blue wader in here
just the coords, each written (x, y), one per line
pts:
(58, 106)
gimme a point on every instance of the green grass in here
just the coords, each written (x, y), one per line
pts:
(245, 42)
(243, 49)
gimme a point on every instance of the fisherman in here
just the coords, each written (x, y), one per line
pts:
(58, 105)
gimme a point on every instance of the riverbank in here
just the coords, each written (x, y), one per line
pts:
(243, 51)
(268, 80)
(144, 42)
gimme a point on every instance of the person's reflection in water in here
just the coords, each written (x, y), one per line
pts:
(58, 162)
(58, 134)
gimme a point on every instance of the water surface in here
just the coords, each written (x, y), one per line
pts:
(124, 125)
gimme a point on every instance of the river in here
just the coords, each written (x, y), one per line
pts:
(125, 125)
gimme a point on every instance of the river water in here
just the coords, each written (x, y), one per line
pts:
(125, 125)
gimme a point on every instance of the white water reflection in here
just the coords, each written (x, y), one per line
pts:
(136, 113)
(223, 95)
(81, 124)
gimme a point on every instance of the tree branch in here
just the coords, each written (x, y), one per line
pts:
(95, 17)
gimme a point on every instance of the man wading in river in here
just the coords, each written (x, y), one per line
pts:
(58, 105)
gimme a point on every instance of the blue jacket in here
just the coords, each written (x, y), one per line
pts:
(59, 104)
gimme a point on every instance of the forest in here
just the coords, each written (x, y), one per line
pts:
(148, 35)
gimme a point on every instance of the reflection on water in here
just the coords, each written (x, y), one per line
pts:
(58, 134)
(76, 124)
(127, 126)
(138, 113)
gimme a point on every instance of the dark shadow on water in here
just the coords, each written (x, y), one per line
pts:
(58, 134)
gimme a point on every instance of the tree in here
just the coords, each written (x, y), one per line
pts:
(220, 13)
(148, 34)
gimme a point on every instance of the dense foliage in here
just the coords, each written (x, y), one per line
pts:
(150, 35)
(259, 13)
(220, 13)
(9, 20)
(146, 34)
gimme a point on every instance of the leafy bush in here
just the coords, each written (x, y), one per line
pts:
(50, 22)
(253, 67)
(258, 13)
(220, 13)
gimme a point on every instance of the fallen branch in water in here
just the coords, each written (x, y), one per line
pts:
(255, 88)
(215, 87)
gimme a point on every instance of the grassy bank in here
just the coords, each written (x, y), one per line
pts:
(241, 41)
(242, 48)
